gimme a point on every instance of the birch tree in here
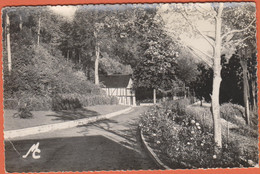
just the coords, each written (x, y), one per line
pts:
(39, 31)
(220, 40)
(97, 51)
(92, 35)
(8, 42)
(217, 77)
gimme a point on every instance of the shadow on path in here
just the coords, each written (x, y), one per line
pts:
(73, 154)
(126, 136)
(123, 130)
(111, 144)
(74, 114)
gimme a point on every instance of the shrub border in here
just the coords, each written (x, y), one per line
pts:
(245, 163)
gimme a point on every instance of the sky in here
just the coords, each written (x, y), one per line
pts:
(174, 21)
(66, 11)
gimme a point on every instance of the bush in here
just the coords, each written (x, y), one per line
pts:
(183, 140)
(201, 115)
(244, 135)
(41, 74)
(61, 103)
(74, 101)
(101, 100)
(10, 103)
(60, 75)
(24, 112)
(254, 119)
(91, 100)
(233, 113)
(35, 103)
(177, 106)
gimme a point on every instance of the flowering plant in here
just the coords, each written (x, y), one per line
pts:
(184, 142)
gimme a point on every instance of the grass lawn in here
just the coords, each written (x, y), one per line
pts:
(50, 117)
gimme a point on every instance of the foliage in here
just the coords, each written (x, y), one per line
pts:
(59, 103)
(35, 103)
(128, 35)
(75, 101)
(100, 100)
(24, 112)
(185, 140)
(233, 113)
(216, 15)
(62, 77)
(157, 68)
(245, 136)
(187, 70)
(43, 76)
(120, 34)
(111, 66)
(112, 28)
(177, 106)
(202, 86)
(232, 81)
(231, 89)
(157, 59)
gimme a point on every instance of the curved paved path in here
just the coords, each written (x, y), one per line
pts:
(106, 145)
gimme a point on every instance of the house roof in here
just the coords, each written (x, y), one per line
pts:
(115, 81)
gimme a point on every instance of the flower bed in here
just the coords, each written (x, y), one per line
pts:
(183, 141)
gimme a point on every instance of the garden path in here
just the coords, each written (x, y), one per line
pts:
(105, 145)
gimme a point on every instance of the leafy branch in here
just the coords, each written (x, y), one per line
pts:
(193, 51)
(196, 29)
(238, 31)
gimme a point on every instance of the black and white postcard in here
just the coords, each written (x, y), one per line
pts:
(158, 86)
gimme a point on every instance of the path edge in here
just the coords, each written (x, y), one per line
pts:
(151, 152)
(58, 126)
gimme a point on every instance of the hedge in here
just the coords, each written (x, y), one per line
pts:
(59, 102)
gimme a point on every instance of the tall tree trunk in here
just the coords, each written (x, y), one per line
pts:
(8, 42)
(88, 72)
(184, 90)
(96, 64)
(243, 63)
(39, 31)
(72, 55)
(154, 96)
(215, 109)
(254, 99)
(5, 33)
(97, 49)
(79, 58)
(252, 84)
(75, 56)
(20, 22)
(68, 55)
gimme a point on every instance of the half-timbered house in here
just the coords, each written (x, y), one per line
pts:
(120, 86)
